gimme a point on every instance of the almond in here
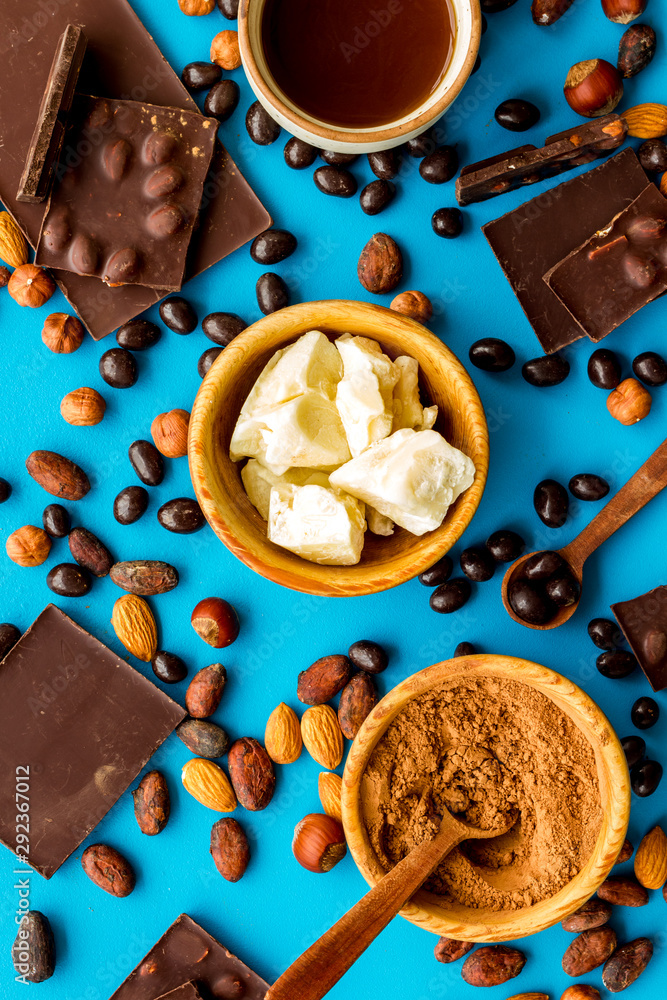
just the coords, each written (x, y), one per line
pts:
(651, 859)
(322, 735)
(208, 784)
(646, 121)
(135, 626)
(283, 735)
(13, 246)
(329, 787)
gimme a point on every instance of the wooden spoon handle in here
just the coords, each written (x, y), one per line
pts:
(646, 483)
(318, 969)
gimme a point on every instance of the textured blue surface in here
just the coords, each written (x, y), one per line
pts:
(278, 908)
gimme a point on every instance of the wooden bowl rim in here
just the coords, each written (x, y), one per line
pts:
(335, 581)
(612, 772)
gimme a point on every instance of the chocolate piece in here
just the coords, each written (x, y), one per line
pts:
(125, 211)
(538, 234)
(49, 131)
(618, 270)
(186, 953)
(528, 164)
(122, 61)
(82, 726)
(188, 991)
(644, 624)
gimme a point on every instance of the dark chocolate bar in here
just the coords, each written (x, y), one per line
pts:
(188, 991)
(644, 624)
(47, 138)
(528, 164)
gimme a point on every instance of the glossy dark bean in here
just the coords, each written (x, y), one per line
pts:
(529, 601)
(368, 656)
(118, 368)
(421, 145)
(492, 355)
(138, 335)
(464, 649)
(494, 6)
(222, 327)
(299, 154)
(272, 246)
(485, 24)
(68, 580)
(477, 563)
(517, 115)
(616, 663)
(376, 196)
(551, 503)
(228, 8)
(5, 490)
(178, 314)
(206, 360)
(588, 486)
(476, 65)
(634, 748)
(450, 596)
(653, 156)
(505, 545)
(385, 164)
(260, 126)
(338, 159)
(272, 293)
(651, 368)
(645, 713)
(222, 100)
(447, 222)
(9, 636)
(130, 504)
(147, 462)
(336, 181)
(182, 516)
(56, 520)
(440, 165)
(201, 75)
(543, 565)
(605, 633)
(437, 574)
(604, 369)
(645, 777)
(564, 590)
(168, 667)
(551, 369)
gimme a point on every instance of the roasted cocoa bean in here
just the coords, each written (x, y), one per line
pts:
(589, 950)
(229, 849)
(323, 679)
(151, 803)
(205, 691)
(493, 965)
(251, 772)
(357, 700)
(108, 869)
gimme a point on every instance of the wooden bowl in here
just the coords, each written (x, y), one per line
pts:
(385, 562)
(469, 924)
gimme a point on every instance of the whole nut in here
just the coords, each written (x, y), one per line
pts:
(651, 859)
(205, 691)
(623, 11)
(357, 700)
(203, 738)
(322, 736)
(108, 869)
(225, 50)
(319, 843)
(329, 788)
(209, 784)
(620, 890)
(216, 622)
(636, 50)
(646, 121)
(252, 774)
(323, 679)
(626, 850)
(282, 737)
(593, 913)
(31, 286)
(33, 951)
(151, 803)
(447, 950)
(13, 244)
(229, 849)
(196, 8)
(493, 965)
(57, 475)
(416, 305)
(144, 577)
(589, 950)
(28, 546)
(627, 964)
(380, 266)
(62, 334)
(593, 88)
(83, 407)
(629, 402)
(549, 11)
(170, 433)
(89, 552)
(581, 992)
(135, 626)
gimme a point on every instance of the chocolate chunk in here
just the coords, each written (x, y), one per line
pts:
(644, 623)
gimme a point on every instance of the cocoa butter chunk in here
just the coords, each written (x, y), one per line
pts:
(589, 950)
(34, 951)
(627, 964)
(493, 965)
(323, 679)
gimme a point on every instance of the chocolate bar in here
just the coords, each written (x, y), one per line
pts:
(122, 62)
(528, 164)
(644, 624)
(187, 953)
(124, 209)
(47, 138)
(529, 241)
(188, 991)
(618, 270)
(82, 725)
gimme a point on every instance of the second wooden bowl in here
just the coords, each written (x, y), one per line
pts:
(385, 562)
(464, 923)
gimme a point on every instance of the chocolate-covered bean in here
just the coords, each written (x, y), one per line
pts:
(604, 369)
(549, 370)
(335, 181)
(464, 649)
(440, 165)
(494, 6)
(272, 246)
(338, 159)
(385, 164)
(130, 504)
(368, 656)
(437, 574)
(517, 115)
(477, 563)
(260, 126)
(299, 154)
(147, 462)
(564, 590)
(68, 580)
(421, 145)
(450, 596)
(645, 712)
(178, 314)
(645, 777)
(183, 515)
(634, 748)
(168, 667)
(56, 521)
(492, 355)
(543, 565)
(529, 601)
(222, 100)
(651, 368)
(376, 196)
(201, 75)
(616, 663)
(222, 327)
(588, 486)
(5, 490)
(228, 8)
(551, 503)
(272, 293)
(118, 368)
(605, 633)
(653, 156)
(505, 545)
(206, 359)
(138, 335)
(447, 223)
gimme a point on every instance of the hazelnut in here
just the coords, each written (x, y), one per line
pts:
(416, 305)
(62, 334)
(630, 402)
(623, 11)
(31, 286)
(216, 622)
(195, 8)
(319, 843)
(28, 546)
(593, 88)
(170, 433)
(83, 407)
(225, 50)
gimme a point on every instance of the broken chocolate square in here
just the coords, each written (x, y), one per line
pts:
(644, 624)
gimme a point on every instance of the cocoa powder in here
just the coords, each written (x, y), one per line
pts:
(486, 749)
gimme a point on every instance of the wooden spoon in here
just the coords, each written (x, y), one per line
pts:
(320, 968)
(646, 483)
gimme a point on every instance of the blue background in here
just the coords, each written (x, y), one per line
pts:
(278, 909)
